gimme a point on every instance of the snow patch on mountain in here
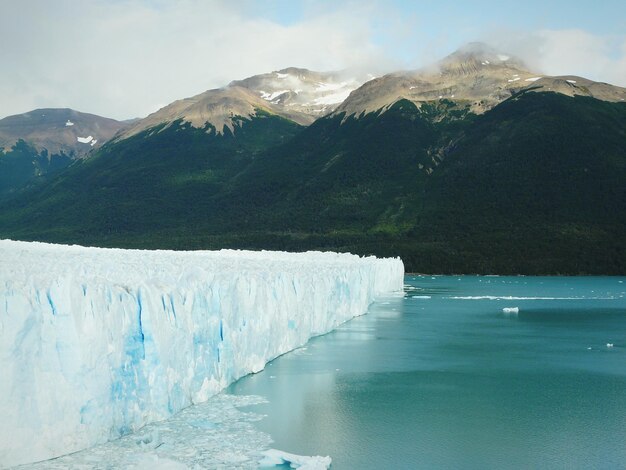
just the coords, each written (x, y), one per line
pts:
(327, 87)
(334, 98)
(272, 96)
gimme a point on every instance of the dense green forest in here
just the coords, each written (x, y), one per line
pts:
(24, 165)
(534, 186)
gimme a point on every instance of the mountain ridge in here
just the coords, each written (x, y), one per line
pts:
(293, 93)
(531, 184)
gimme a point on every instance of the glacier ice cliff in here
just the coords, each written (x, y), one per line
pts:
(95, 343)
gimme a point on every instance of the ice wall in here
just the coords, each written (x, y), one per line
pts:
(95, 343)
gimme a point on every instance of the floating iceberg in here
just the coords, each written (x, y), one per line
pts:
(513, 310)
(95, 343)
(273, 457)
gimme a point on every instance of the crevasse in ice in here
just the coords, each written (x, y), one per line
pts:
(95, 343)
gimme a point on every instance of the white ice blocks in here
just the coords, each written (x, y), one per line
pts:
(95, 343)
(273, 457)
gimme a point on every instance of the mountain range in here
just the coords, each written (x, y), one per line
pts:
(472, 165)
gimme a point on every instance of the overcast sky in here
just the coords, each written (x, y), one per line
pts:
(127, 58)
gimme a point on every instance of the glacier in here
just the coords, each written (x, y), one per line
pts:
(96, 343)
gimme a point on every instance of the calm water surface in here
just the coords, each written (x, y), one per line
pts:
(443, 378)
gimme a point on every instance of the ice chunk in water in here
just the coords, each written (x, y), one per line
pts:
(274, 457)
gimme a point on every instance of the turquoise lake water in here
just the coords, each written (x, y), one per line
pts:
(442, 377)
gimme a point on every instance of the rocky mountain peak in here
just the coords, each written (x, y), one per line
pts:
(58, 130)
(297, 94)
(475, 55)
(476, 76)
(302, 90)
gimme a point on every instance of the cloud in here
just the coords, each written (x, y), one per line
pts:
(122, 58)
(569, 52)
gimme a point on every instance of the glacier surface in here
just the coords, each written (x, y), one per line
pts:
(210, 435)
(95, 343)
